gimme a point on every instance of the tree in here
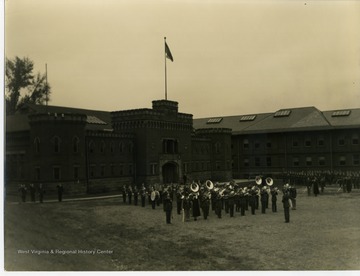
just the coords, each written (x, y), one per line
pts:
(22, 86)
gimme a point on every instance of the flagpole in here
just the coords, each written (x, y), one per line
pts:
(165, 69)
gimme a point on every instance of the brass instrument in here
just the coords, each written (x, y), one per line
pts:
(258, 180)
(209, 185)
(269, 181)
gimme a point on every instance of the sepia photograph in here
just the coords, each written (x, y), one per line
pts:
(181, 136)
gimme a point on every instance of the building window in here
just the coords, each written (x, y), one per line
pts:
(121, 147)
(76, 172)
(37, 145)
(171, 146)
(56, 173)
(92, 171)
(76, 144)
(356, 160)
(322, 161)
(307, 142)
(296, 162)
(37, 173)
(246, 163)
(153, 168)
(295, 143)
(56, 144)
(308, 161)
(91, 147)
(321, 142)
(102, 147)
(246, 144)
(341, 141)
(268, 161)
(131, 147)
(257, 161)
(268, 145)
(342, 161)
(355, 139)
(257, 144)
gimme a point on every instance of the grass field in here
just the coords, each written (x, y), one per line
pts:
(323, 234)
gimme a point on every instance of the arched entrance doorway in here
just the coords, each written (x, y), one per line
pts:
(170, 173)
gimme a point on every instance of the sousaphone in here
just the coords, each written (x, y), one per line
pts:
(194, 187)
(209, 184)
(153, 196)
(258, 180)
(269, 181)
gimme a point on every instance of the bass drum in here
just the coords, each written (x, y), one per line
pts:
(153, 196)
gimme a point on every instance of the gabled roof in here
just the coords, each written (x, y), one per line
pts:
(284, 120)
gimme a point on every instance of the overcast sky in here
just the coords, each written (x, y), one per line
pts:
(230, 57)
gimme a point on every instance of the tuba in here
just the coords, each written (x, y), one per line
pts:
(258, 180)
(209, 185)
(269, 181)
(194, 187)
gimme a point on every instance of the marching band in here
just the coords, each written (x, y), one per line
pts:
(196, 198)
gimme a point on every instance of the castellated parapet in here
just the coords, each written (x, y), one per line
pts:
(39, 118)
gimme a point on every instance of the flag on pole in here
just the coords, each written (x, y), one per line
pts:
(168, 53)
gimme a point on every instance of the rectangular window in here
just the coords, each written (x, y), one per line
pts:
(56, 173)
(295, 143)
(307, 143)
(268, 145)
(246, 144)
(92, 171)
(341, 141)
(268, 161)
(37, 173)
(355, 139)
(257, 161)
(321, 142)
(322, 161)
(342, 161)
(246, 163)
(308, 161)
(76, 172)
(356, 160)
(257, 145)
(296, 162)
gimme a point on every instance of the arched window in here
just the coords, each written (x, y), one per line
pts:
(56, 142)
(121, 147)
(76, 142)
(91, 146)
(37, 144)
(102, 147)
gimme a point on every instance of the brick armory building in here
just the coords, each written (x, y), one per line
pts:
(99, 151)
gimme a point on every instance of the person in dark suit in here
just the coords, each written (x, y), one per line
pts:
(124, 193)
(231, 203)
(143, 195)
(41, 193)
(252, 201)
(315, 186)
(195, 206)
(60, 189)
(242, 199)
(293, 194)
(205, 204)
(167, 202)
(32, 192)
(136, 195)
(286, 203)
(22, 190)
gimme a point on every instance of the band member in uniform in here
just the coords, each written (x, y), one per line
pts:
(32, 192)
(205, 203)
(218, 205)
(195, 206)
(60, 189)
(263, 198)
(315, 186)
(153, 197)
(242, 199)
(143, 195)
(293, 194)
(186, 202)
(179, 198)
(167, 206)
(41, 193)
(124, 193)
(274, 193)
(22, 190)
(136, 195)
(231, 203)
(286, 203)
(129, 192)
(252, 201)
